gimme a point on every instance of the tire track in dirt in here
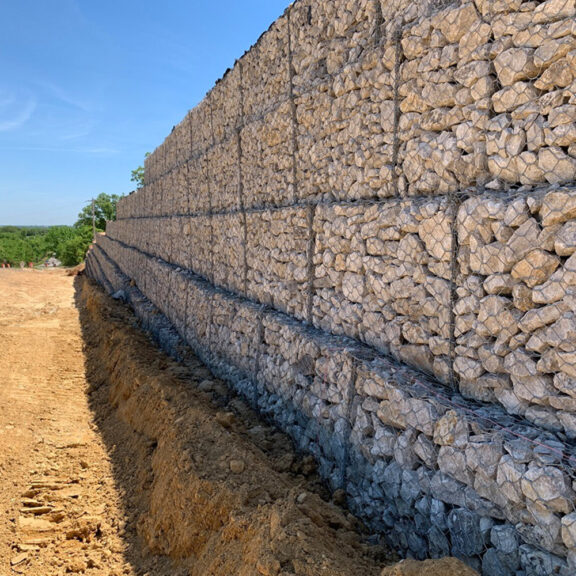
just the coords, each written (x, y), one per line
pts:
(59, 505)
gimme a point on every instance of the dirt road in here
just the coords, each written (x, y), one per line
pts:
(56, 483)
(116, 460)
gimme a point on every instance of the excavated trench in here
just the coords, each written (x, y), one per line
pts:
(210, 487)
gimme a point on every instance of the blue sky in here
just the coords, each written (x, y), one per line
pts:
(87, 87)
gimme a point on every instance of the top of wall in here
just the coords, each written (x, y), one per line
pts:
(374, 99)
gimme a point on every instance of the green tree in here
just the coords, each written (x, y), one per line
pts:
(22, 244)
(56, 237)
(72, 251)
(138, 174)
(104, 210)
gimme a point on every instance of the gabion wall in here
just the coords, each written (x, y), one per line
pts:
(369, 227)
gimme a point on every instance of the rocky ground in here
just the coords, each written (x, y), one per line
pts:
(116, 460)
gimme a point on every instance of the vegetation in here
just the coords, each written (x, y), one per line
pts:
(138, 174)
(104, 210)
(67, 243)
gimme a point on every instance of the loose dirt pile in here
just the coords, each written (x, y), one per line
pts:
(119, 460)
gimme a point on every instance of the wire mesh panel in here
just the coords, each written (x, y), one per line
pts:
(277, 243)
(515, 309)
(382, 275)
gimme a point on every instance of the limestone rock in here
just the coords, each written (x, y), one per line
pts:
(451, 429)
(562, 115)
(494, 258)
(418, 356)
(455, 22)
(557, 166)
(495, 317)
(468, 368)
(569, 530)
(552, 50)
(549, 487)
(515, 64)
(508, 477)
(520, 364)
(565, 384)
(563, 135)
(565, 243)
(529, 170)
(552, 10)
(560, 75)
(534, 389)
(562, 282)
(426, 451)
(482, 454)
(514, 96)
(540, 317)
(504, 167)
(353, 287)
(499, 284)
(535, 268)
(436, 235)
(469, 74)
(452, 461)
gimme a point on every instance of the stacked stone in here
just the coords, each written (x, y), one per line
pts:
(266, 137)
(133, 205)
(277, 259)
(199, 191)
(532, 135)
(223, 162)
(196, 294)
(225, 107)
(175, 305)
(234, 337)
(223, 156)
(515, 323)
(396, 13)
(449, 481)
(145, 234)
(193, 245)
(464, 482)
(129, 206)
(344, 93)
(268, 159)
(179, 185)
(382, 275)
(444, 99)
(199, 169)
(227, 252)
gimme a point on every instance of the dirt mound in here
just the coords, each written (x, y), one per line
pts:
(77, 270)
(211, 486)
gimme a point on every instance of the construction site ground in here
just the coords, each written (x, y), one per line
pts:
(116, 460)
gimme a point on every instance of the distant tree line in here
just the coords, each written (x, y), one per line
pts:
(67, 243)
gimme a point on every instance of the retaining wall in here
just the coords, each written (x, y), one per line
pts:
(368, 226)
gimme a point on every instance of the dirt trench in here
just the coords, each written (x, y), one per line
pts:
(116, 460)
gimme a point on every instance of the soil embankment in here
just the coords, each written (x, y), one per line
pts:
(117, 460)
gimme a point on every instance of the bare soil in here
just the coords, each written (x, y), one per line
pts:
(116, 460)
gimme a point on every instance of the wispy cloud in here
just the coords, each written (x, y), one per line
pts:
(77, 131)
(86, 150)
(15, 111)
(62, 95)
